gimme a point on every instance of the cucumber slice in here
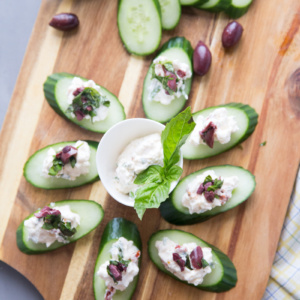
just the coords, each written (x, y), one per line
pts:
(246, 118)
(193, 2)
(174, 212)
(55, 90)
(116, 228)
(139, 23)
(214, 5)
(170, 13)
(237, 8)
(223, 276)
(176, 48)
(91, 213)
(33, 169)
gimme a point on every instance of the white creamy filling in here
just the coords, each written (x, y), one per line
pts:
(226, 125)
(77, 82)
(37, 234)
(156, 90)
(197, 203)
(81, 167)
(135, 158)
(167, 247)
(130, 252)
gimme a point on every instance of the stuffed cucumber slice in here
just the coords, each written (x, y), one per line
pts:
(237, 8)
(174, 211)
(113, 237)
(223, 273)
(139, 24)
(83, 102)
(245, 118)
(214, 5)
(168, 81)
(90, 213)
(170, 13)
(36, 170)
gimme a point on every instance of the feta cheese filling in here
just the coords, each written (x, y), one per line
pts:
(68, 172)
(77, 84)
(177, 72)
(197, 203)
(225, 126)
(37, 234)
(135, 158)
(172, 255)
(120, 270)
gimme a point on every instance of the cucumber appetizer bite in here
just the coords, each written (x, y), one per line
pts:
(58, 224)
(207, 193)
(83, 102)
(168, 81)
(63, 165)
(117, 266)
(189, 259)
(237, 8)
(214, 5)
(218, 129)
(139, 24)
(170, 13)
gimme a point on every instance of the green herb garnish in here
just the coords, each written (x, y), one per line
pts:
(55, 222)
(72, 161)
(66, 229)
(217, 184)
(204, 263)
(156, 180)
(263, 144)
(56, 167)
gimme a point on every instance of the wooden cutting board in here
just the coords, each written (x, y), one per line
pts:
(257, 72)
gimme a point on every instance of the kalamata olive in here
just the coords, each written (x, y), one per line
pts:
(64, 21)
(232, 34)
(201, 59)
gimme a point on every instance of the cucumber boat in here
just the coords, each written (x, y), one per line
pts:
(114, 230)
(139, 24)
(56, 93)
(91, 214)
(223, 275)
(33, 168)
(175, 212)
(180, 49)
(246, 118)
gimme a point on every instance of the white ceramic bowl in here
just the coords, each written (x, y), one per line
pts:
(111, 146)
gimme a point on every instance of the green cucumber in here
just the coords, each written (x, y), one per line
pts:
(55, 90)
(139, 23)
(246, 118)
(223, 276)
(91, 213)
(170, 13)
(176, 48)
(33, 169)
(214, 5)
(174, 212)
(192, 2)
(237, 8)
(116, 228)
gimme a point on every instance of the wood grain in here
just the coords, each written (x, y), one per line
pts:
(260, 71)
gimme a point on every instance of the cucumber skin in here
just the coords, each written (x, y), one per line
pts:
(169, 212)
(196, 2)
(175, 42)
(116, 228)
(156, 3)
(172, 27)
(49, 92)
(92, 144)
(252, 122)
(236, 12)
(221, 6)
(229, 276)
(26, 250)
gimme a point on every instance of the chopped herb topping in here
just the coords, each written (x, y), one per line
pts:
(263, 144)
(86, 103)
(209, 188)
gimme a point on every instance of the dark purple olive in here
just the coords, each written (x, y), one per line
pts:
(64, 21)
(201, 59)
(232, 34)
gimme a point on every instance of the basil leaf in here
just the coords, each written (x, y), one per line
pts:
(51, 222)
(175, 135)
(204, 263)
(169, 66)
(153, 173)
(217, 185)
(66, 229)
(188, 262)
(174, 173)
(207, 179)
(72, 161)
